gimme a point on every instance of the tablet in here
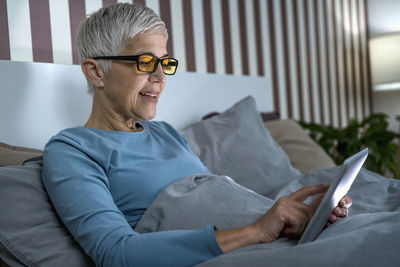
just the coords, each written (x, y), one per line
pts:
(336, 191)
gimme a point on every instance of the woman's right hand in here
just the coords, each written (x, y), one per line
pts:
(289, 216)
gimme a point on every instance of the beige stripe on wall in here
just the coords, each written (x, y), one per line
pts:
(19, 29)
(218, 36)
(178, 28)
(313, 52)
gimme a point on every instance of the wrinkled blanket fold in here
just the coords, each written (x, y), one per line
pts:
(370, 236)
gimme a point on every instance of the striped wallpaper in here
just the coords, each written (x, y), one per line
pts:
(313, 51)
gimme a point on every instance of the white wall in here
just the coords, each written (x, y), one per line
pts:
(384, 17)
(37, 100)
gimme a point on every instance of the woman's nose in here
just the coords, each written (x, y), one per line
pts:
(158, 75)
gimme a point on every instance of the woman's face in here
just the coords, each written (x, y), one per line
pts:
(133, 94)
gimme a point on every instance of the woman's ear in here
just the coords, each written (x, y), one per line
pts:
(93, 72)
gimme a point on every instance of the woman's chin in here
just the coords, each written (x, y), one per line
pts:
(149, 116)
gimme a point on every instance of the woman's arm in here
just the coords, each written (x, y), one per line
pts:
(288, 216)
(79, 190)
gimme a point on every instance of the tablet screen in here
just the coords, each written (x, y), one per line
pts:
(338, 189)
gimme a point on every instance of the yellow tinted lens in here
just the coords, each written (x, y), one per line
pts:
(169, 65)
(147, 63)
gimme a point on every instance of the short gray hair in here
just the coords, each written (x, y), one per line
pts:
(107, 31)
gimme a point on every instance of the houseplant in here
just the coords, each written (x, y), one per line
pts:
(371, 132)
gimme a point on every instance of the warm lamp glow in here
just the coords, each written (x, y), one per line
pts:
(385, 62)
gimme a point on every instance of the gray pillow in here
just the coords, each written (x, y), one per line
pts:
(31, 233)
(237, 144)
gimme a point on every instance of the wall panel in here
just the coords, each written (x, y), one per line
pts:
(314, 52)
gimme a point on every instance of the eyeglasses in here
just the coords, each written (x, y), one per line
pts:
(148, 63)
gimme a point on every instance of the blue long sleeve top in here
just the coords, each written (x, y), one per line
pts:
(101, 182)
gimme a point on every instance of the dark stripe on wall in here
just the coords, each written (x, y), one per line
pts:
(5, 39)
(208, 33)
(140, 2)
(318, 59)
(336, 54)
(361, 62)
(257, 23)
(286, 62)
(76, 14)
(189, 39)
(274, 68)
(308, 61)
(328, 67)
(165, 14)
(298, 59)
(353, 62)
(346, 78)
(109, 2)
(243, 37)
(226, 22)
(40, 30)
(367, 61)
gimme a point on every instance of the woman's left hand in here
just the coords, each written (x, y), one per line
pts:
(341, 211)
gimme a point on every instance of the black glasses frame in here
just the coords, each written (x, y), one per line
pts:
(136, 58)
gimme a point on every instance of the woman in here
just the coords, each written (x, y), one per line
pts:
(101, 177)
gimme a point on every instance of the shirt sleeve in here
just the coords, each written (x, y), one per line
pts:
(78, 188)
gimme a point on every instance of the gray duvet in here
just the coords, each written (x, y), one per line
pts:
(370, 236)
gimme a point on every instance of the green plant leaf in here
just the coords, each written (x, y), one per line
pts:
(371, 132)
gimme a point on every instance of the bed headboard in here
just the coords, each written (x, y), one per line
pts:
(37, 100)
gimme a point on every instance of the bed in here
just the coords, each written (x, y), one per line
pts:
(268, 158)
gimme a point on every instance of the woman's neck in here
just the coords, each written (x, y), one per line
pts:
(103, 117)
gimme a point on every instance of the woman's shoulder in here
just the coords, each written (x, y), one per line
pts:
(80, 138)
(73, 135)
(79, 142)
